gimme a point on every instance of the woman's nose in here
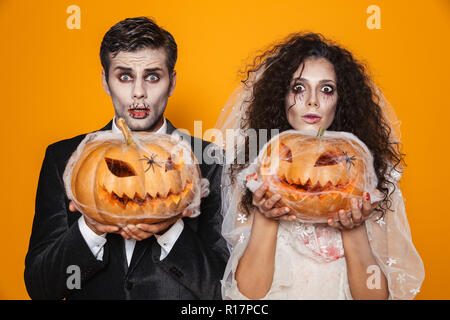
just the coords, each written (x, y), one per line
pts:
(312, 100)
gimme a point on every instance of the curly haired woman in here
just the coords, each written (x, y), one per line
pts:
(305, 83)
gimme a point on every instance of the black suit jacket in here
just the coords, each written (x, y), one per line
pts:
(192, 269)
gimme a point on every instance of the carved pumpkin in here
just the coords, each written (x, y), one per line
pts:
(315, 175)
(121, 182)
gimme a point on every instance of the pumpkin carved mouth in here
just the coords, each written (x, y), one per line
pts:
(318, 189)
(124, 200)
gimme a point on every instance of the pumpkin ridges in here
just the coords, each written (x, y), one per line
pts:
(85, 183)
(314, 190)
(154, 181)
(175, 183)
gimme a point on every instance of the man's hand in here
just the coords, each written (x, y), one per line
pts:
(137, 232)
(143, 231)
(98, 228)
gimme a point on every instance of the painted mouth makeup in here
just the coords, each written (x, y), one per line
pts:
(311, 118)
(139, 111)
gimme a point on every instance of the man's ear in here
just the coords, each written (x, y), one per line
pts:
(173, 83)
(105, 83)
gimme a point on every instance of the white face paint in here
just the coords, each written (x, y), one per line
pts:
(139, 86)
(312, 97)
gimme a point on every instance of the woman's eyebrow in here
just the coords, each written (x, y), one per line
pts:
(321, 81)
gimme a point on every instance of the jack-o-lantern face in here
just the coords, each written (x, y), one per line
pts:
(121, 183)
(316, 176)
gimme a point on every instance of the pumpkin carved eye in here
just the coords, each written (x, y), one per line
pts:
(330, 158)
(169, 165)
(285, 153)
(120, 168)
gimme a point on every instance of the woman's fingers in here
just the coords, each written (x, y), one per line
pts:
(334, 222)
(346, 219)
(288, 217)
(269, 203)
(367, 206)
(258, 195)
(276, 212)
(357, 216)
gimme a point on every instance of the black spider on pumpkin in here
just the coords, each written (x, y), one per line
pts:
(151, 162)
(349, 160)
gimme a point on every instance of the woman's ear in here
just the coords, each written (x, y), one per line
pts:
(105, 83)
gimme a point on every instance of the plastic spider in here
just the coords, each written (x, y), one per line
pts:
(151, 162)
(349, 160)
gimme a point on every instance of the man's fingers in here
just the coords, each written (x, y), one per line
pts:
(157, 227)
(106, 228)
(72, 207)
(186, 213)
(137, 233)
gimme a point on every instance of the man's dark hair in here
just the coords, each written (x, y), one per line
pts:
(137, 33)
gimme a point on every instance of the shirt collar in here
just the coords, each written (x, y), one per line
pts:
(163, 128)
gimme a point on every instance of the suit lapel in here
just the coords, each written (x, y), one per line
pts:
(140, 249)
(107, 127)
(170, 127)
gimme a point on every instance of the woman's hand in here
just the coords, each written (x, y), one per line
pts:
(355, 217)
(267, 207)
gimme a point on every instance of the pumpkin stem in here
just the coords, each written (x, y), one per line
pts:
(320, 132)
(125, 130)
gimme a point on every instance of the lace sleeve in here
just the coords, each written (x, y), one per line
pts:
(392, 246)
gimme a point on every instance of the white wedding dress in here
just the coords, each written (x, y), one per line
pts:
(310, 259)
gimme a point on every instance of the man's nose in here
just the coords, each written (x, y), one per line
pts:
(139, 89)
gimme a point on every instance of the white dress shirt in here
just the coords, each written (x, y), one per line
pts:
(166, 240)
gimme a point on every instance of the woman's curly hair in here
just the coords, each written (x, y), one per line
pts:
(357, 111)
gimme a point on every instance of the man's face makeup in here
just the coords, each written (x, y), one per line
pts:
(312, 96)
(139, 86)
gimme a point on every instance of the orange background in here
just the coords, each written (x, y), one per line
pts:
(51, 90)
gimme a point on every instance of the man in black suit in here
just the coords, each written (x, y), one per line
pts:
(182, 258)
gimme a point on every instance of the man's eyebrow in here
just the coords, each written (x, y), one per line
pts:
(153, 69)
(130, 69)
(123, 68)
